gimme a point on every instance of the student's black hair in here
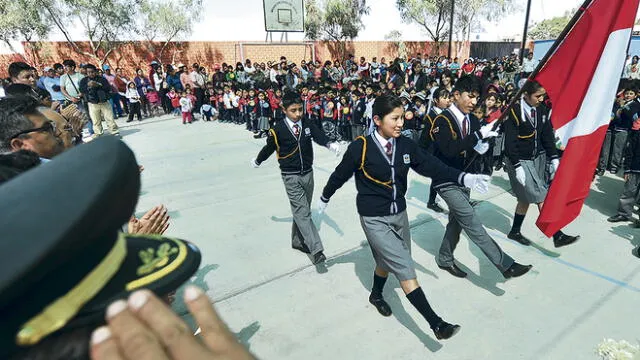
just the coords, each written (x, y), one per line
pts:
(530, 87)
(90, 66)
(357, 93)
(15, 68)
(291, 98)
(58, 66)
(469, 84)
(440, 92)
(71, 63)
(385, 104)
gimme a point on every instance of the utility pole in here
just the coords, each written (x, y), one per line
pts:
(453, 7)
(525, 32)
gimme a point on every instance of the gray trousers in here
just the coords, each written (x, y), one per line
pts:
(300, 192)
(619, 143)
(629, 196)
(603, 163)
(462, 216)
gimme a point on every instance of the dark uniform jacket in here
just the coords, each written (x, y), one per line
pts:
(381, 182)
(632, 153)
(294, 155)
(523, 140)
(95, 94)
(449, 145)
(628, 114)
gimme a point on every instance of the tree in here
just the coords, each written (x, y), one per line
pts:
(549, 28)
(167, 21)
(432, 15)
(395, 36)
(21, 21)
(105, 23)
(335, 20)
(469, 14)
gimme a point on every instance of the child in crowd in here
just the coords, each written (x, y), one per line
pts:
(264, 115)
(186, 107)
(134, 101)
(154, 101)
(174, 97)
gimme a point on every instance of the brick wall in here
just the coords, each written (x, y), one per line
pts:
(137, 55)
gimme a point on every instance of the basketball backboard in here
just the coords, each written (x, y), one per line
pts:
(284, 15)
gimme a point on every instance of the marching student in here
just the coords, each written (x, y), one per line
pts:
(456, 136)
(381, 163)
(291, 140)
(441, 101)
(529, 142)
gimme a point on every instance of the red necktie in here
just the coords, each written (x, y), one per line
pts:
(296, 130)
(389, 147)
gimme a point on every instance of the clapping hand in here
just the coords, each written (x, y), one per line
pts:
(155, 221)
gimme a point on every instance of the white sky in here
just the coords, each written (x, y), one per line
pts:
(243, 20)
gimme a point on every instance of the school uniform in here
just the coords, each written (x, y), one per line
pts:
(529, 143)
(358, 124)
(629, 196)
(381, 180)
(621, 128)
(292, 143)
(426, 142)
(454, 136)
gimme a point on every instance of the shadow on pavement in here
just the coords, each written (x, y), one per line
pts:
(605, 199)
(364, 266)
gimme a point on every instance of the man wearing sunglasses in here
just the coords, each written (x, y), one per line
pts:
(24, 127)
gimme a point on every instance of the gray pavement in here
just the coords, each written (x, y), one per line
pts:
(282, 307)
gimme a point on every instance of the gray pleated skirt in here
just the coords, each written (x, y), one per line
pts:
(536, 187)
(390, 240)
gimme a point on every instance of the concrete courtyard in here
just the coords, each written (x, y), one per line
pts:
(282, 307)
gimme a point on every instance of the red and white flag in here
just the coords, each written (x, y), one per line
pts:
(581, 79)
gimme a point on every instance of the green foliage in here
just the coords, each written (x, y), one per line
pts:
(166, 21)
(432, 15)
(549, 28)
(21, 21)
(336, 20)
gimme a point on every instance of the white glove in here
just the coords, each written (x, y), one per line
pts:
(555, 163)
(481, 147)
(322, 206)
(335, 147)
(476, 182)
(487, 132)
(254, 163)
(520, 175)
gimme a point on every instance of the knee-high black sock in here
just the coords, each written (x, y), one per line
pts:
(378, 285)
(517, 223)
(419, 301)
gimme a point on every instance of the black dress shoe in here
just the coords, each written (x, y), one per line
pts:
(435, 207)
(383, 308)
(600, 172)
(454, 270)
(564, 240)
(516, 270)
(444, 330)
(618, 218)
(517, 236)
(302, 248)
(319, 258)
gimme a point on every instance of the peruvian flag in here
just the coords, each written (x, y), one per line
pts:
(581, 79)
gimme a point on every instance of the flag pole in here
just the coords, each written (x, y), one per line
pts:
(538, 68)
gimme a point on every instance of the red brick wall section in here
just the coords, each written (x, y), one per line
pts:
(130, 56)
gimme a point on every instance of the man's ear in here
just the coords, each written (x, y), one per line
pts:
(18, 144)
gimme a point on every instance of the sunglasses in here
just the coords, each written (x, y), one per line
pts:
(49, 126)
